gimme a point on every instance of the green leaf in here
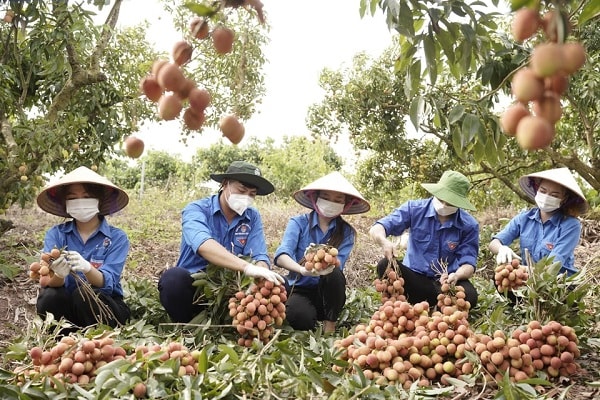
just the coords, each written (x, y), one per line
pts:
(455, 114)
(201, 9)
(415, 110)
(405, 20)
(590, 10)
(429, 49)
(445, 40)
(230, 352)
(203, 361)
(470, 127)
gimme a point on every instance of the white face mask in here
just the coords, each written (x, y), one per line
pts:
(442, 209)
(82, 210)
(328, 208)
(239, 202)
(547, 203)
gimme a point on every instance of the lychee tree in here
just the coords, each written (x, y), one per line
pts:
(448, 79)
(69, 86)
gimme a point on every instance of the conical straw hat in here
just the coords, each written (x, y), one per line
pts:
(114, 198)
(562, 176)
(334, 182)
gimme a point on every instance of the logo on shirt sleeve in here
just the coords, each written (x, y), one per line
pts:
(241, 234)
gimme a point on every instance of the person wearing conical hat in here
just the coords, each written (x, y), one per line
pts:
(319, 295)
(443, 243)
(217, 230)
(551, 229)
(90, 247)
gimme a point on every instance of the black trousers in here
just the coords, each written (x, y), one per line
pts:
(176, 292)
(77, 308)
(419, 287)
(305, 306)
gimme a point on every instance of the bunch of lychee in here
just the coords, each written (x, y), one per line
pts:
(186, 360)
(539, 86)
(390, 285)
(551, 348)
(319, 257)
(71, 360)
(453, 298)
(258, 311)
(40, 270)
(168, 86)
(510, 276)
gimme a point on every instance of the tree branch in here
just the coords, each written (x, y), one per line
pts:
(107, 31)
(79, 76)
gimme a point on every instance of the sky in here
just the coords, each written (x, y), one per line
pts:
(305, 37)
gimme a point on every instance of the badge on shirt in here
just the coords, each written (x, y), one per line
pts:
(241, 234)
(550, 246)
(452, 245)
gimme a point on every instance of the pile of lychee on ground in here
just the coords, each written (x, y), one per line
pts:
(405, 343)
(402, 343)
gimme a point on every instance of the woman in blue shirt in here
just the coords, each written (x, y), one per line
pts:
(551, 229)
(319, 296)
(442, 236)
(90, 247)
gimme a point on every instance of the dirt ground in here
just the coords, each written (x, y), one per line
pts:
(17, 296)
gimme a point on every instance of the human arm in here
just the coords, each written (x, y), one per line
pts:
(379, 236)
(504, 254)
(564, 244)
(463, 272)
(213, 252)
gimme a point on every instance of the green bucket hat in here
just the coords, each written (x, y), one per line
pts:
(246, 173)
(451, 188)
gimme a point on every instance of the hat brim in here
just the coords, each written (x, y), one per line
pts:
(333, 182)
(263, 186)
(560, 176)
(113, 200)
(448, 196)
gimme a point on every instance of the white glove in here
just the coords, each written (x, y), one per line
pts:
(77, 262)
(326, 271)
(60, 267)
(505, 255)
(260, 272)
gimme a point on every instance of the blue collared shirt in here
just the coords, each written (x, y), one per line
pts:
(106, 249)
(301, 231)
(455, 242)
(203, 219)
(557, 237)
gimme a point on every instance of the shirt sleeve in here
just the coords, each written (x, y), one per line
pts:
(290, 241)
(54, 238)
(564, 247)
(346, 247)
(195, 226)
(469, 247)
(397, 221)
(511, 231)
(114, 262)
(256, 246)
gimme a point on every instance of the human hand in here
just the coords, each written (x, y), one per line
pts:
(60, 267)
(77, 262)
(260, 272)
(389, 250)
(505, 255)
(313, 272)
